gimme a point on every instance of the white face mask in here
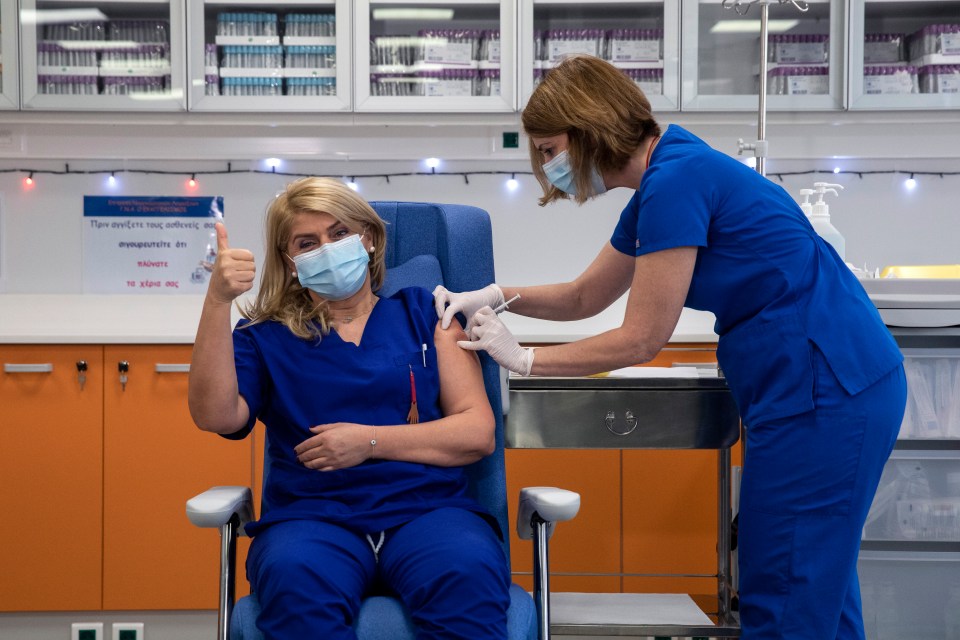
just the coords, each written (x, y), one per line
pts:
(335, 270)
(560, 174)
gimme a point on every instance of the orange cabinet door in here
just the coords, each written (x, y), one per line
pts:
(588, 544)
(670, 521)
(51, 470)
(155, 460)
(670, 507)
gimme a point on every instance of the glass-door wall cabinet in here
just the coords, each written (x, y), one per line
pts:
(905, 54)
(9, 58)
(269, 55)
(642, 38)
(102, 55)
(435, 55)
(805, 56)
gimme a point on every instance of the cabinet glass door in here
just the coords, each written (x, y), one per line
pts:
(102, 55)
(805, 56)
(286, 55)
(641, 38)
(905, 54)
(431, 56)
(9, 58)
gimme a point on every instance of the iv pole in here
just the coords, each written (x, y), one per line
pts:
(759, 147)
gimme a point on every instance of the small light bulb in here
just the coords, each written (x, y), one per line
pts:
(836, 169)
(432, 163)
(28, 180)
(910, 183)
(512, 184)
(353, 185)
(192, 182)
(112, 180)
(272, 163)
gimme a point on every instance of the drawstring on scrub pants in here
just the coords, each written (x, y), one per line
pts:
(376, 547)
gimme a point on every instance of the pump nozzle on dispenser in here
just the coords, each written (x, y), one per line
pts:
(820, 217)
(805, 206)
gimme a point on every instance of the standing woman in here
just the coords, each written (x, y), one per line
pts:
(816, 375)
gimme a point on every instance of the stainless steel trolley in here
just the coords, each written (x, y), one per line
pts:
(629, 413)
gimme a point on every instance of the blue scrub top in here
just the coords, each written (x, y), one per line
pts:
(777, 289)
(292, 384)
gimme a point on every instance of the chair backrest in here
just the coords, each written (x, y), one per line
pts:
(461, 239)
(430, 244)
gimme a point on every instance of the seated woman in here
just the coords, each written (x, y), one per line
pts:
(371, 410)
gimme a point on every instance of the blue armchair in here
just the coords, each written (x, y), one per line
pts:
(427, 244)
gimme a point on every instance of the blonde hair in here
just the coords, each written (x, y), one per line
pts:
(281, 297)
(603, 112)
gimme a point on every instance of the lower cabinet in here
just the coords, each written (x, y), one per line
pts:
(648, 519)
(51, 478)
(95, 480)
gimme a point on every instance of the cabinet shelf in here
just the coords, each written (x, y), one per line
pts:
(924, 546)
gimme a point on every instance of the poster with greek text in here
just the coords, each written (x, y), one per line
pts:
(149, 244)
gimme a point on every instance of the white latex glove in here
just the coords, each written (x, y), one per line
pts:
(449, 304)
(491, 335)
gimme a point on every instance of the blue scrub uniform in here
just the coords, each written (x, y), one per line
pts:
(317, 546)
(816, 375)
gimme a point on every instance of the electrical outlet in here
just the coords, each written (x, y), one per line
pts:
(127, 631)
(86, 631)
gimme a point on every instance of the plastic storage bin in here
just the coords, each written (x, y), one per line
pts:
(935, 39)
(890, 80)
(880, 48)
(940, 78)
(918, 499)
(910, 595)
(787, 48)
(798, 81)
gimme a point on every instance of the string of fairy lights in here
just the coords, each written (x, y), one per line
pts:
(113, 176)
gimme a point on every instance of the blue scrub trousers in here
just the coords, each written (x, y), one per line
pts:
(808, 482)
(448, 567)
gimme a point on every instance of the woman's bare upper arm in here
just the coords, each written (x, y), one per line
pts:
(461, 379)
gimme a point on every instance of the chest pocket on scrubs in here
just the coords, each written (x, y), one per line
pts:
(769, 367)
(426, 378)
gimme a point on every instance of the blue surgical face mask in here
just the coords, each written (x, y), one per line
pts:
(335, 270)
(560, 174)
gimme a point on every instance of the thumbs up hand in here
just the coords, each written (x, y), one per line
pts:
(233, 272)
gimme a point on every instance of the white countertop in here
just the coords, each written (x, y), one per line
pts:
(118, 319)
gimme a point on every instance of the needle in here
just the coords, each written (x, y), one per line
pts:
(506, 304)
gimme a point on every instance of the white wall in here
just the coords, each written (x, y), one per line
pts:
(40, 228)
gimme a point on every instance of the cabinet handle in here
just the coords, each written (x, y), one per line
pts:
(172, 368)
(27, 368)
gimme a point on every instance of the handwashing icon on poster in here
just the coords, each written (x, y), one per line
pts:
(149, 244)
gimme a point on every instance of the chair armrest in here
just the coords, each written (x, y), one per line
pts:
(216, 506)
(552, 505)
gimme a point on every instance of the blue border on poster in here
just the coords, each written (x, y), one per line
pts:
(151, 206)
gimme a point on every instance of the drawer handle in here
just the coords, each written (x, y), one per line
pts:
(173, 368)
(611, 420)
(27, 368)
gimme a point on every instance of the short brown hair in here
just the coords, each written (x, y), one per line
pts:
(604, 113)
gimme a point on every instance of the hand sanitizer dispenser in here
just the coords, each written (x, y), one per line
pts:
(820, 218)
